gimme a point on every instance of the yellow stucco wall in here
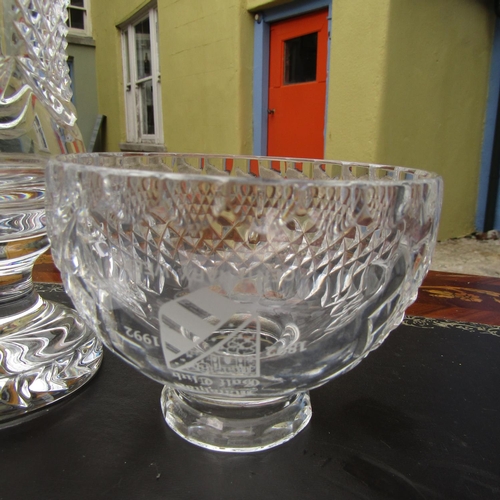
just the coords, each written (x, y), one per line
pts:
(358, 49)
(434, 104)
(408, 86)
(206, 48)
(109, 70)
(407, 83)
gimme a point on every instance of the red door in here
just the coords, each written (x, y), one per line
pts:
(297, 86)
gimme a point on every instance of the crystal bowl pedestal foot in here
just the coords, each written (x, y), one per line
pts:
(233, 426)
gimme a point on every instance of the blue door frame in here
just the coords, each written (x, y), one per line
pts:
(488, 204)
(261, 62)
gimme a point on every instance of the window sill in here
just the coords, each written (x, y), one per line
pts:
(82, 39)
(139, 147)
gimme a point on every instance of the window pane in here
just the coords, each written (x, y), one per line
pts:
(143, 49)
(77, 3)
(300, 59)
(76, 19)
(147, 118)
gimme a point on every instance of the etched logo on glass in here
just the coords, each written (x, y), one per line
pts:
(205, 332)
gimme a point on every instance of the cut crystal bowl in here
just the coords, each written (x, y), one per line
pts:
(240, 282)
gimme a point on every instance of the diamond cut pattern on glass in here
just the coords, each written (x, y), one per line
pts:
(35, 34)
(337, 262)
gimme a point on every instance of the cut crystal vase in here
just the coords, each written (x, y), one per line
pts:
(46, 351)
(240, 282)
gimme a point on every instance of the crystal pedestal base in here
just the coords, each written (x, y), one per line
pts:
(46, 353)
(233, 426)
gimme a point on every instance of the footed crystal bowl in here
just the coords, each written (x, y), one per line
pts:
(240, 282)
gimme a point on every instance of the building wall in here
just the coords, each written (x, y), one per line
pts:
(206, 63)
(85, 87)
(414, 93)
(434, 109)
(407, 83)
(108, 59)
(207, 89)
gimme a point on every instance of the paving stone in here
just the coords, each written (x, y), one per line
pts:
(470, 255)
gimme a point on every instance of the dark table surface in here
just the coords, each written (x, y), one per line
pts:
(418, 419)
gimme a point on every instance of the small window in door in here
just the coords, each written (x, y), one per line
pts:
(300, 59)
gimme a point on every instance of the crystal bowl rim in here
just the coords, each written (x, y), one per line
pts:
(68, 161)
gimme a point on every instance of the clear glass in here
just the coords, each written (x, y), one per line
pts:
(36, 84)
(147, 107)
(300, 59)
(76, 17)
(46, 351)
(240, 282)
(143, 49)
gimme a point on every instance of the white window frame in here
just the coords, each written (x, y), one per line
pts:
(87, 30)
(132, 84)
